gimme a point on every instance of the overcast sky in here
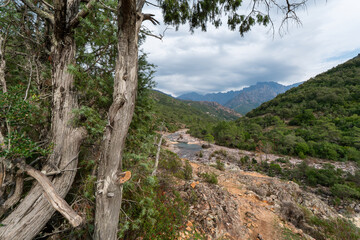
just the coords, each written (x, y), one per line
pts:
(221, 60)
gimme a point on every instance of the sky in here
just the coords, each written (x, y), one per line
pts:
(220, 60)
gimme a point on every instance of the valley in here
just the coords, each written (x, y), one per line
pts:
(247, 204)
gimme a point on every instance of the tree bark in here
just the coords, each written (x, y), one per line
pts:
(2, 65)
(35, 210)
(109, 191)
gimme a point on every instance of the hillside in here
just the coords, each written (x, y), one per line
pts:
(319, 118)
(335, 93)
(219, 97)
(244, 100)
(176, 112)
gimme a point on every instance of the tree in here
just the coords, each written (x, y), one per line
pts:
(209, 138)
(34, 211)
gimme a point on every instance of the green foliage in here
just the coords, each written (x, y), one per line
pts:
(20, 119)
(170, 161)
(188, 170)
(344, 191)
(209, 177)
(209, 138)
(337, 229)
(274, 169)
(90, 119)
(220, 165)
(177, 114)
(199, 13)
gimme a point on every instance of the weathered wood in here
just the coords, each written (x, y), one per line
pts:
(34, 211)
(16, 196)
(109, 191)
(2, 65)
(51, 194)
(157, 156)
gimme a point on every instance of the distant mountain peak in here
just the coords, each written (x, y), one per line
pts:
(243, 100)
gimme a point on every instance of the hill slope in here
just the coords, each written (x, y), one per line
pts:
(320, 118)
(219, 97)
(332, 93)
(175, 112)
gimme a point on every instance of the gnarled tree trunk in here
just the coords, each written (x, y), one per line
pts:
(34, 211)
(109, 189)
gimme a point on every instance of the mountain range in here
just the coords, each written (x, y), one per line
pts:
(244, 100)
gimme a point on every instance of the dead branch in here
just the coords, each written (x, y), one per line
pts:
(5, 4)
(151, 35)
(149, 16)
(152, 4)
(39, 11)
(107, 7)
(157, 154)
(11, 201)
(47, 4)
(53, 197)
(82, 14)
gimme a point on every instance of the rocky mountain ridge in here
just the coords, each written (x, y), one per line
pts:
(243, 100)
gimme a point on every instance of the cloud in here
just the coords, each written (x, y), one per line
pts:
(220, 60)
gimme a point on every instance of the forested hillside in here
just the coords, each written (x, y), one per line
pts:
(176, 113)
(320, 118)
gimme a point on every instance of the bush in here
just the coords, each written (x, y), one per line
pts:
(220, 165)
(282, 160)
(209, 177)
(337, 229)
(274, 169)
(188, 171)
(344, 191)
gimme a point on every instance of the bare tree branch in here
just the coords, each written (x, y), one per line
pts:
(83, 13)
(152, 4)
(11, 201)
(39, 11)
(148, 16)
(107, 7)
(5, 4)
(53, 197)
(47, 4)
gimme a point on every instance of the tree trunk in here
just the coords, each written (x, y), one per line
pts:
(35, 210)
(2, 65)
(109, 190)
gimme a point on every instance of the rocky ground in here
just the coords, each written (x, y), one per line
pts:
(244, 205)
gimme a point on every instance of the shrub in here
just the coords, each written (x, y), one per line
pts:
(209, 177)
(344, 191)
(220, 165)
(188, 170)
(274, 169)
